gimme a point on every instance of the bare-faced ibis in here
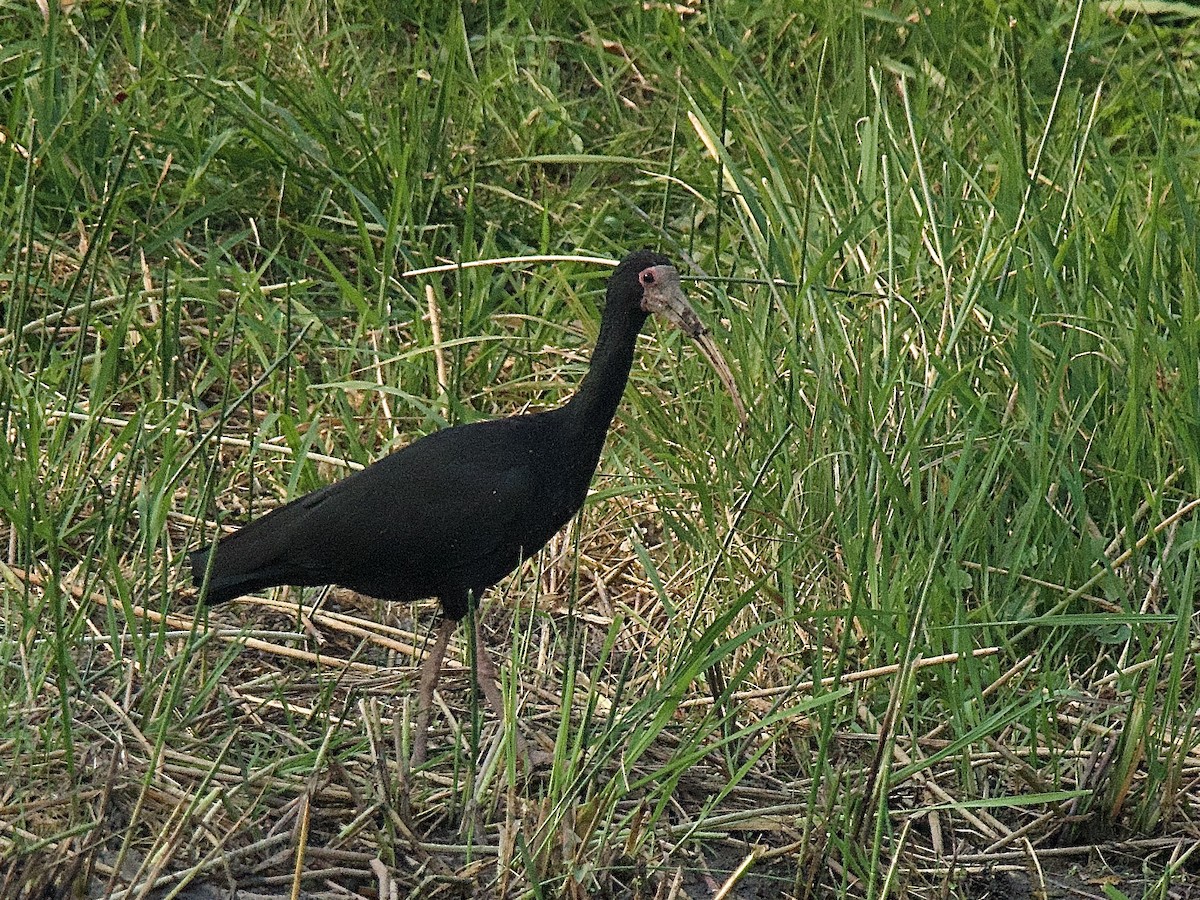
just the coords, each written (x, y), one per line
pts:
(451, 514)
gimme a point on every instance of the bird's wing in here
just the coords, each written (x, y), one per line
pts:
(441, 504)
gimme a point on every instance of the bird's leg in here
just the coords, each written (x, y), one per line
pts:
(487, 673)
(431, 669)
(489, 680)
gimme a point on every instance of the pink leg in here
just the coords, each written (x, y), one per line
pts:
(431, 669)
(488, 674)
(489, 679)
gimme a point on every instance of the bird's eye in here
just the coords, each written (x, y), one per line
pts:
(647, 278)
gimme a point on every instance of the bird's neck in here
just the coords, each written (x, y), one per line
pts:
(591, 410)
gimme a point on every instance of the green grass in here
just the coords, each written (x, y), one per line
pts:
(952, 256)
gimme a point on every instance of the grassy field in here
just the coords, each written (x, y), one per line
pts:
(926, 626)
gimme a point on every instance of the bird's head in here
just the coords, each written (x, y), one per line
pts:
(647, 281)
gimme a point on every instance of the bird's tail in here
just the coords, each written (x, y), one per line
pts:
(247, 560)
(223, 586)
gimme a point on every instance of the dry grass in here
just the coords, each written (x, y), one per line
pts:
(148, 817)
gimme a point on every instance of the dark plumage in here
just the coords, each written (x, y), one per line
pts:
(452, 513)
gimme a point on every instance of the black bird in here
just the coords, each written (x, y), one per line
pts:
(451, 514)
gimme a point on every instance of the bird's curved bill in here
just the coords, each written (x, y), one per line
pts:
(664, 297)
(713, 354)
